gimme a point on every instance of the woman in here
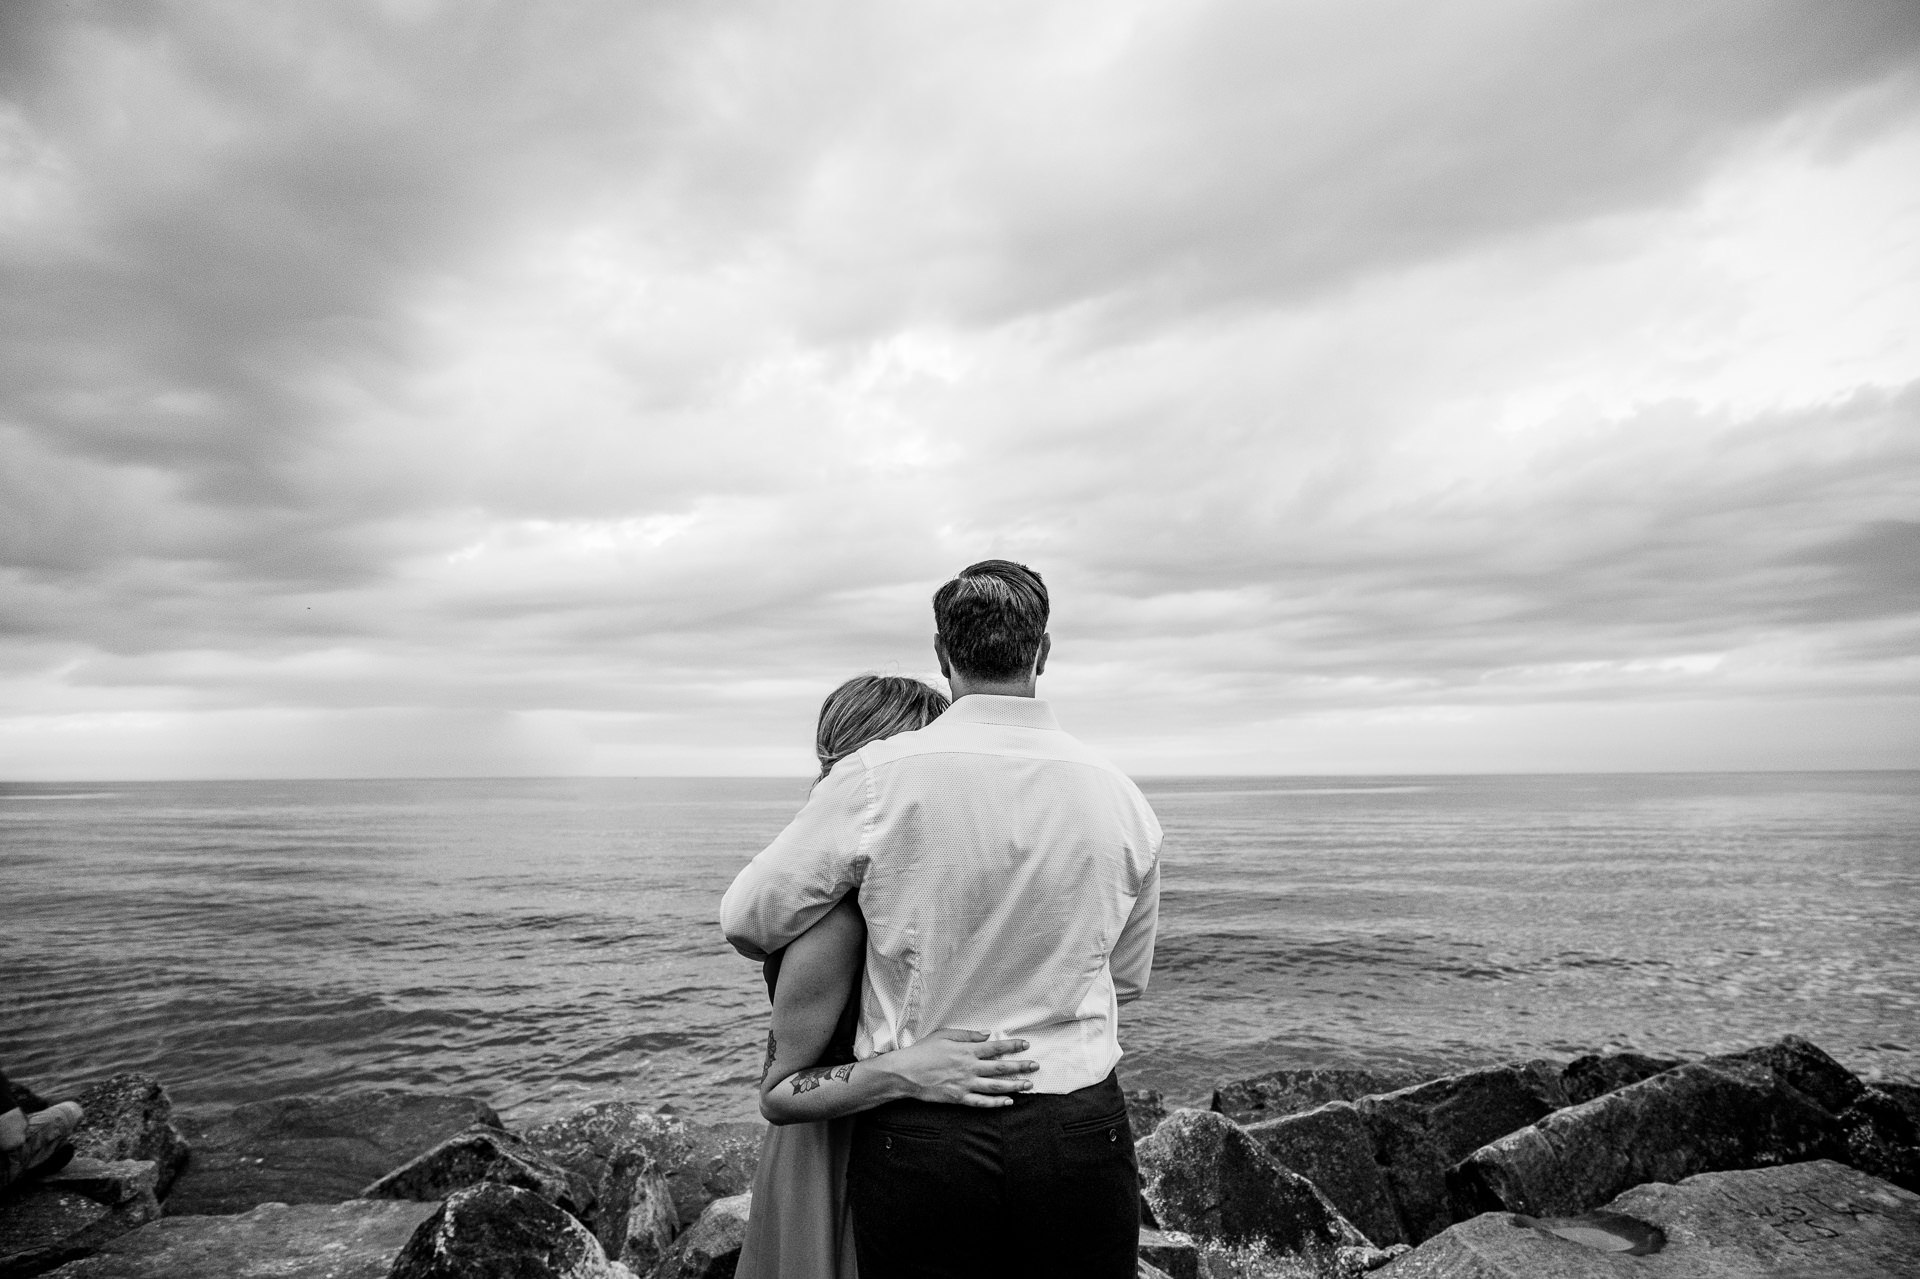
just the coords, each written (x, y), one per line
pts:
(811, 1086)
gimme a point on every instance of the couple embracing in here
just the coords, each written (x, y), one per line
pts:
(949, 927)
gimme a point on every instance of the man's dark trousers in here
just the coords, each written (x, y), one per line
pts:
(1046, 1186)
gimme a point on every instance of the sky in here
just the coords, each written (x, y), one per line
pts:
(414, 389)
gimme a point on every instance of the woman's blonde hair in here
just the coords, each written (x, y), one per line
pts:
(869, 707)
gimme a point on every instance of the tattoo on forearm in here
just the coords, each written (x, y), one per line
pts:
(768, 1068)
(811, 1078)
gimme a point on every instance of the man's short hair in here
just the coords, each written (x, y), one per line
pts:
(991, 617)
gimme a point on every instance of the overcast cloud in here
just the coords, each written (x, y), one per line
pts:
(419, 388)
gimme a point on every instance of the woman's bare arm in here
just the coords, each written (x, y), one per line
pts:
(817, 974)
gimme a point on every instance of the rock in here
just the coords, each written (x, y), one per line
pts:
(1693, 1119)
(1905, 1096)
(1202, 1174)
(1883, 1138)
(1359, 1261)
(130, 1116)
(311, 1149)
(1287, 1092)
(353, 1240)
(1461, 1113)
(117, 1183)
(1171, 1253)
(491, 1231)
(710, 1247)
(613, 1143)
(70, 1213)
(41, 1228)
(1792, 1222)
(651, 1222)
(1597, 1074)
(1257, 1261)
(1797, 1064)
(1332, 1147)
(1147, 1270)
(485, 1154)
(1420, 1132)
(1146, 1107)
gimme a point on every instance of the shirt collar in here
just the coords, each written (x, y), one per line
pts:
(987, 708)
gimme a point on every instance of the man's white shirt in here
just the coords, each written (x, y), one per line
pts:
(1008, 875)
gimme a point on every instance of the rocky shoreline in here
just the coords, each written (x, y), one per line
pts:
(1771, 1162)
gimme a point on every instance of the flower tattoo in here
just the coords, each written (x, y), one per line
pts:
(808, 1080)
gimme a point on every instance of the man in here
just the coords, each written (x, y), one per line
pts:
(1009, 879)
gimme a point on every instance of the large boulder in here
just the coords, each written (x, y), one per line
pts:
(130, 1117)
(710, 1247)
(1287, 1092)
(1693, 1119)
(1791, 1222)
(1597, 1074)
(1201, 1173)
(492, 1231)
(70, 1213)
(353, 1240)
(614, 1144)
(1420, 1132)
(482, 1154)
(1332, 1147)
(311, 1149)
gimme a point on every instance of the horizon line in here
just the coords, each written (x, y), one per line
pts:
(795, 777)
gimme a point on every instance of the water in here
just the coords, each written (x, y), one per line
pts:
(547, 942)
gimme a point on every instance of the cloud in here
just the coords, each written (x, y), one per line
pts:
(623, 378)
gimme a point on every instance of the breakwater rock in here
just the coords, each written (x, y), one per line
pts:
(1535, 1168)
(1793, 1221)
(130, 1117)
(353, 1240)
(311, 1149)
(490, 1229)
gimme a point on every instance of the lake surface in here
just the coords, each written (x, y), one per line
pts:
(546, 942)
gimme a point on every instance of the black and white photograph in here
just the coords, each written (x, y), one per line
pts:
(894, 639)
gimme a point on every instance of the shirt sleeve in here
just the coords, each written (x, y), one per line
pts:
(1131, 961)
(813, 863)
